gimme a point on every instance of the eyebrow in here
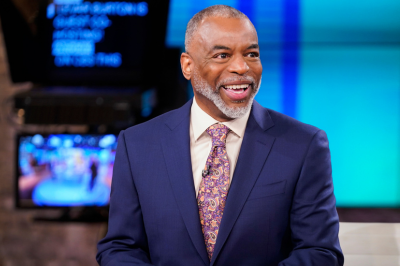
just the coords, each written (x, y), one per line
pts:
(253, 46)
(220, 47)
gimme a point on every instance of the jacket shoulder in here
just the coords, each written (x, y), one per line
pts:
(155, 127)
(285, 125)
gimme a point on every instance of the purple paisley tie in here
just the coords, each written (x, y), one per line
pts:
(214, 186)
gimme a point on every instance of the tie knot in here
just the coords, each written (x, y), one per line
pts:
(218, 133)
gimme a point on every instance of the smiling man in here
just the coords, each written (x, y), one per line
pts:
(222, 180)
(223, 61)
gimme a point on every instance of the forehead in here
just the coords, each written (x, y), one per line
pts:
(223, 31)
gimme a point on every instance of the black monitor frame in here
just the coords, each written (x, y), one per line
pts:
(28, 53)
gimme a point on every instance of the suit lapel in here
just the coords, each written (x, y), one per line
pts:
(176, 149)
(254, 151)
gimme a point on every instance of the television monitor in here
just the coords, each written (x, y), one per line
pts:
(85, 42)
(64, 170)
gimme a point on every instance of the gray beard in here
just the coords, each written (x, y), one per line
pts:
(202, 87)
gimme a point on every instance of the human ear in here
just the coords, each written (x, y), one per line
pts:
(186, 65)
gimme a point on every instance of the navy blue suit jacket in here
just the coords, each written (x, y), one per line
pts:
(280, 208)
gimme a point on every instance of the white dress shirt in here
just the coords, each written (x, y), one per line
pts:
(200, 141)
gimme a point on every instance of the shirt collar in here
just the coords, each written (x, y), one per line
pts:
(200, 121)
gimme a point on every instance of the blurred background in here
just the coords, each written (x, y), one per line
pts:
(73, 73)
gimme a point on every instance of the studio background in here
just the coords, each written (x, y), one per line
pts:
(338, 69)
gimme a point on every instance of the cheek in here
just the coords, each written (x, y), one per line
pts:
(256, 67)
(212, 73)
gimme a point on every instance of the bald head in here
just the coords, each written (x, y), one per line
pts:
(222, 11)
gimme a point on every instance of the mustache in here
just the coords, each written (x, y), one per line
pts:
(249, 79)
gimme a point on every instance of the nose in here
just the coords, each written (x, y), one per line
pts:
(238, 65)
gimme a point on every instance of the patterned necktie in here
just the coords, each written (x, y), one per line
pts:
(214, 186)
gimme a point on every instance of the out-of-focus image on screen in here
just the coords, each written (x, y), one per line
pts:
(65, 170)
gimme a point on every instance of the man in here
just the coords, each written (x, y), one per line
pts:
(222, 180)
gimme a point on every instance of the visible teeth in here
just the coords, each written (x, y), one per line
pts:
(237, 87)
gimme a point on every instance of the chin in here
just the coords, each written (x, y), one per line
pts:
(239, 108)
(230, 109)
(233, 109)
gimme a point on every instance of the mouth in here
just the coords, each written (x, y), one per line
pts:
(237, 92)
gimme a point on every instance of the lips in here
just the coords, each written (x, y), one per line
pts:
(237, 92)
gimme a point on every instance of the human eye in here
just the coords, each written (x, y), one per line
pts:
(253, 54)
(222, 56)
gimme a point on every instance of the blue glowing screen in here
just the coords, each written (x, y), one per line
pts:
(65, 170)
(335, 65)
